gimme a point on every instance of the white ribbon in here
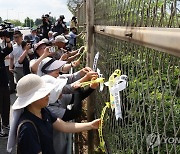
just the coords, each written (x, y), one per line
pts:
(120, 84)
(95, 61)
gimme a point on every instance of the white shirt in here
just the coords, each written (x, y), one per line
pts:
(16, 53)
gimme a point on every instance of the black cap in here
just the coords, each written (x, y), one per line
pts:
(61, 17)
(47, 15)
(17, 32)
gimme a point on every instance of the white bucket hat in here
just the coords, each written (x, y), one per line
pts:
(31, 88)
(60, 38)
(49, 64)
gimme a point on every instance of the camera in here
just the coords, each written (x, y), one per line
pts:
(31, 43)
(53, 49)
(6, 30)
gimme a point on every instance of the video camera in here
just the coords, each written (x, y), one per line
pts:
(6, 30)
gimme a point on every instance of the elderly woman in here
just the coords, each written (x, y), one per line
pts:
(66, 98)
(34, 122)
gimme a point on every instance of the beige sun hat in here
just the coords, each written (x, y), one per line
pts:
(31, 88)
(60, 38)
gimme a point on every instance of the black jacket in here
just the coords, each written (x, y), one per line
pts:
(3, 73)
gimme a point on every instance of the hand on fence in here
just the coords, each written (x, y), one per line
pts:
(75, 63)
(95, 123)
(85, 70)
(94, 85)
(90, 75)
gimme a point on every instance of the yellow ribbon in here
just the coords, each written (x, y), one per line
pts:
(100, 130)
(81, 55)
(83, 36)
(98, 80)
(111, 82)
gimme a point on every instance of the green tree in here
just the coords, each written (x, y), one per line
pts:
(15, 22)
(38, 22)
(0, 20)
(28, 22)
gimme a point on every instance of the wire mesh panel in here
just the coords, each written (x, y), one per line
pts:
(138, 13)
(151, 103)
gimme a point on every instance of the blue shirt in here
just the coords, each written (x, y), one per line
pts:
(72, 36)
(28, 142)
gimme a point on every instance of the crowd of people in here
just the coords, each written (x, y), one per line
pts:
(37, 66)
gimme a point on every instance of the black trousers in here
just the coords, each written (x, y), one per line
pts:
(77, 104)
(12, 85)
(4, 105)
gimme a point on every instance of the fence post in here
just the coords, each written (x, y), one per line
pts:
(90, 55)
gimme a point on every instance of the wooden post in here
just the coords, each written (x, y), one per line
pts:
(90, 57)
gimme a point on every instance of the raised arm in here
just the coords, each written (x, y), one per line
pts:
(21, 58)
(34, 66)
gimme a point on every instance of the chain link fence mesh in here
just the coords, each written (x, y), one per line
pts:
(151, 102)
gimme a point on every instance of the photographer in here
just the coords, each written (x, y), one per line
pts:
(60, 26)
(4, 89)
(45, 27)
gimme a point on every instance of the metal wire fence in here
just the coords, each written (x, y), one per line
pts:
(151, 102)
(141, 13)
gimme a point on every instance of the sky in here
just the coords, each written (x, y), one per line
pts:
(20, 9)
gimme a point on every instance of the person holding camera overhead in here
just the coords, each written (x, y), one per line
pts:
(4, 89)
(14, 66)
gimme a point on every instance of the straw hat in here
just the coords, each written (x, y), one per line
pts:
(31, 88)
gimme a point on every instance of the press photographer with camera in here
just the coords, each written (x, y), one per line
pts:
(14, 66)
(45, 27)
(60, 26)
(4, 89)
